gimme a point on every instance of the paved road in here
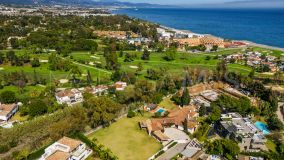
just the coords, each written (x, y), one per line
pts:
(172, 152)
(279, 114)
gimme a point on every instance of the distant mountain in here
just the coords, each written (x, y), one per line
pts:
(103, 3)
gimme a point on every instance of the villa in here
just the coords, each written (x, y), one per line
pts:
(242, 130)
(120, 86)
(69, 96)
(66, 149)
(97, 90)
(7, 111)
(176, 118)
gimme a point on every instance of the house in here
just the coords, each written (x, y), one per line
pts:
(242, 130)
(7, 111)
(150, 107)
(209, 95)
(176, 118)
(243, 157)
(97, 90)
(66, 149)
(192, 150)
(69, 96)
(120, 35)
(120, 86)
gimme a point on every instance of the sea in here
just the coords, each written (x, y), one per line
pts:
(263, 26)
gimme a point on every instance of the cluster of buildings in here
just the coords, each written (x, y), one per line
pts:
(52, 10)
(66, 149)
(186, 39)
(242, 130)
(75, 96)
(130, 37)
(168, 129)
(254, 59)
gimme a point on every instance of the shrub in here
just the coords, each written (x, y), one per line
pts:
(159, 153)
(131, 114)
(4, 148)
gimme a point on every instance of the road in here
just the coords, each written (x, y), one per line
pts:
(279, 114)
(172, 151)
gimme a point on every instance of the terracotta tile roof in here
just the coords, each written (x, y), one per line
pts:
(189, 41)
(175, 117)
(58, 155)
(65, 93)
(192, 124)
(72, 143)
(161, 135)
(6, 108)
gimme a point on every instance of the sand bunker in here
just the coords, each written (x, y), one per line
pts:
(62, 81)
(95, 57)
(133, 67)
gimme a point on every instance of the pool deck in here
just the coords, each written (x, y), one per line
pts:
(262, 127)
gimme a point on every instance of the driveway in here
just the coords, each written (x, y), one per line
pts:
(279, 114)
(175, 134)
(172, 152)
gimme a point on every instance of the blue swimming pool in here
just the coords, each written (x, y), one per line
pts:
(161, 110)
(263, 127)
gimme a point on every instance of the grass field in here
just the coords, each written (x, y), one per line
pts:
(125, 139)
(192, 60)
(167, 104)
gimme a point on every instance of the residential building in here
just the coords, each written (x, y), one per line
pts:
(97, 90)
(66, 149)
(208, 41)
(176, 118)
(120, 86)
(120, 35)
(7, 111)
(69, 96)
(242, 130)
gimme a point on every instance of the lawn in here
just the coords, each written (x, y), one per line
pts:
(167, 104)
(125, 139)
(270, 145)
(276, 53)
(192, 60)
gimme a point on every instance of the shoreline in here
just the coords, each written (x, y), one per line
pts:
(250, 43)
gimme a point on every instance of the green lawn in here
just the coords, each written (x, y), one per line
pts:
(168, 104)
(125, 139)
(193, 60)
(270, 145)
(28, 91)
(276, 53)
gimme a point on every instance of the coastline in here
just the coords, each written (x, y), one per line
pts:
(249, 42)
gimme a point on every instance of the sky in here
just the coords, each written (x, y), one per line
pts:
(239, 3)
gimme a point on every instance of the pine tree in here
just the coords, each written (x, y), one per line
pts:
(185, 99)
(89, 78)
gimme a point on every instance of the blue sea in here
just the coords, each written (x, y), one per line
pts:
(263, 26)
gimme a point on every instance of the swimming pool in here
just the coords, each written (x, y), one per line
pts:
(161, 110)
(263, 127)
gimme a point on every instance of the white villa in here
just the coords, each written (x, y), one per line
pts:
(69, 97)
(7, 111)
(66, 149)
